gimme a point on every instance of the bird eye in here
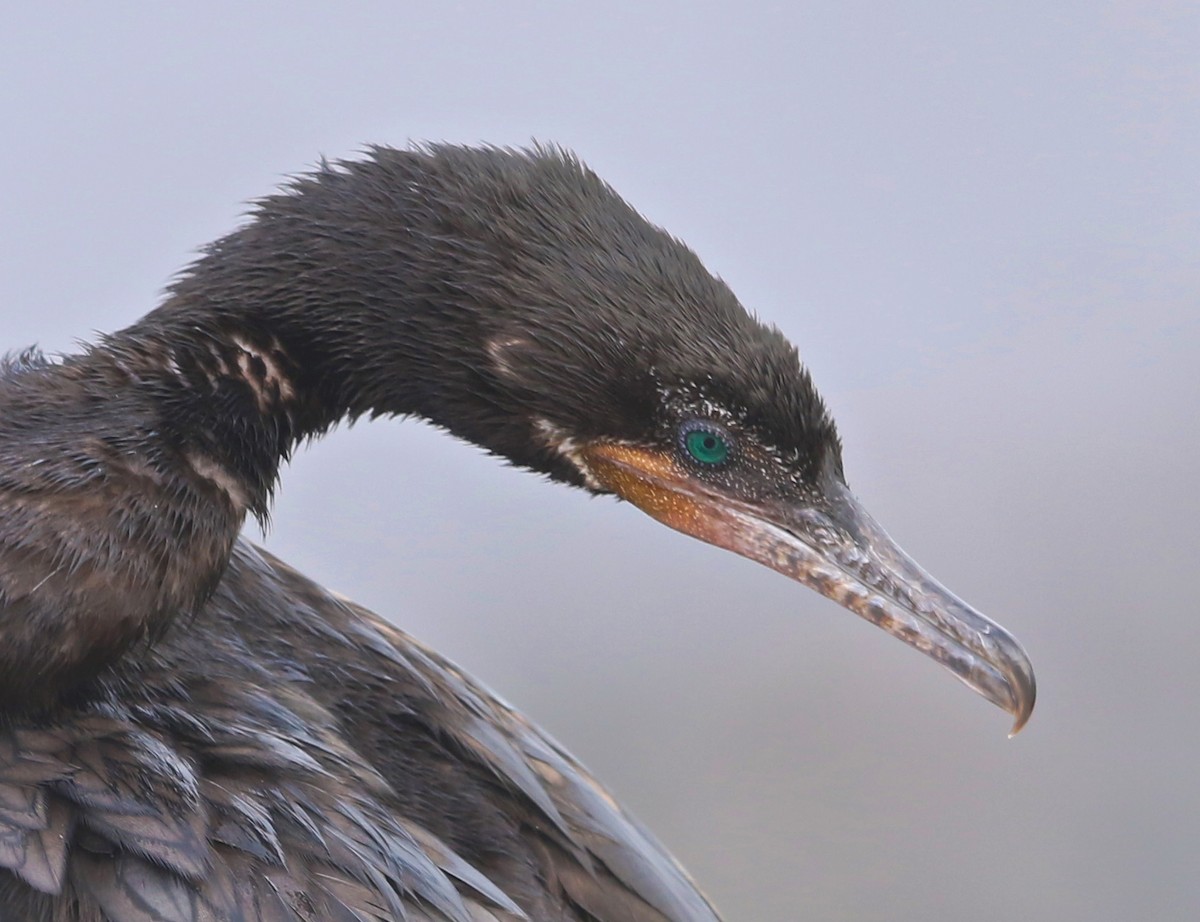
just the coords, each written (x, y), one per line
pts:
(706, 444)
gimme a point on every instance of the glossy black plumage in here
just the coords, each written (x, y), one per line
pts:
(191, 730)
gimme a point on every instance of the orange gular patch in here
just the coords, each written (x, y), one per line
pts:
(655, 482)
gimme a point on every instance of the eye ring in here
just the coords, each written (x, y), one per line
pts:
(705, 443)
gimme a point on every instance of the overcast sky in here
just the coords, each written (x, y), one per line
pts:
(981, 225)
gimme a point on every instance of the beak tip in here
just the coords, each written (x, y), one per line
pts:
(1023, 706)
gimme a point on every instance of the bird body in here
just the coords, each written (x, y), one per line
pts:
(191, 730)
(292, 756)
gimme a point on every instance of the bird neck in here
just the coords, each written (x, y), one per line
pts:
(138, 460)
(236, 394)
(249, 356)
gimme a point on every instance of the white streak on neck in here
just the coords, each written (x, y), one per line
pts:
(567, 447)
(217, 475)
(272, 385)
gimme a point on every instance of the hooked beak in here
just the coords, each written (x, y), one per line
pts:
(830, 543)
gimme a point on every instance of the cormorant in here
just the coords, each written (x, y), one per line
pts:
(191, 730)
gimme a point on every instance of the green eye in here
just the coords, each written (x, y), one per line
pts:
(707, 446)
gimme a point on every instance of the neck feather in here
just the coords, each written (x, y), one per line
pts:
(126, 472)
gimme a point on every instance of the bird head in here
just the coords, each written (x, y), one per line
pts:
(636, 372)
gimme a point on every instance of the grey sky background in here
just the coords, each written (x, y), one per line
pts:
(981, 225)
